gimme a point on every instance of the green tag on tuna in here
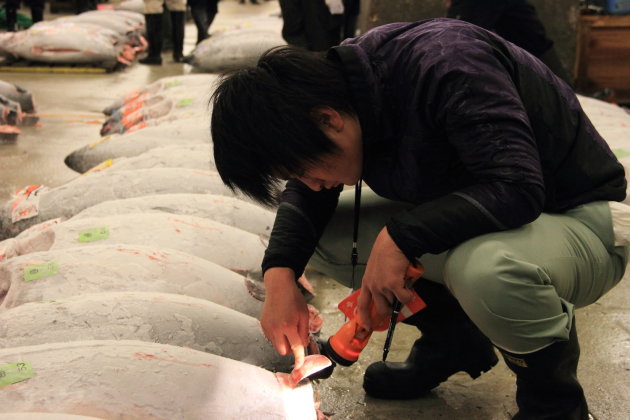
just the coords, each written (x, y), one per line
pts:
(34, 272)
(13, 373)
(172, 83)
(621, 153)
(94, 234)
(184, 102)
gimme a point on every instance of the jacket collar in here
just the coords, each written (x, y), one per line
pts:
(367, 96)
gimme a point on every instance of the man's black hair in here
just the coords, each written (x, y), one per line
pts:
(264, 124)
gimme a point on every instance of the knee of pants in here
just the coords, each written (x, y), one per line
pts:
(511, 300)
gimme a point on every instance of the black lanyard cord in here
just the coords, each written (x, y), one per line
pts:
(354, 257)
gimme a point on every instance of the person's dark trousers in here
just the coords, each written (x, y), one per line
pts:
(547, 387)
(11, 19)
(37, 10)
(178, 20)
(153, 23)
(203, 13)
(10, 9)
(514, 20)
(450, 343)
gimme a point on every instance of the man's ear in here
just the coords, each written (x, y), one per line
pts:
(329, 119)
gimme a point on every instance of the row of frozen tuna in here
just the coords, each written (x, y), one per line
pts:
(133, 290)
(102, 37)
(16, 108)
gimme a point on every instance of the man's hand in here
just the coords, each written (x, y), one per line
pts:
(284, 317)
(384, 278)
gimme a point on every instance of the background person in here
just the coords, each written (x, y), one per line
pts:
(153, 10)
(514, 20)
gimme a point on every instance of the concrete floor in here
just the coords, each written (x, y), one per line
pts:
(70, 106)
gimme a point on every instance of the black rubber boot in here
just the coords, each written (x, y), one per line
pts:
(450, 343)
(37, 14)
(547, 387)
(177, 30)
(203, 15)
(154, 37)
(11, 16)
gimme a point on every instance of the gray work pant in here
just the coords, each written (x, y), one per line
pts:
(520, 287)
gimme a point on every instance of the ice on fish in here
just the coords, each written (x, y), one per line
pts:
(137, 380)
(34, 204)
(231, 211)
(233, 248)
(58, 274)
(153, 317)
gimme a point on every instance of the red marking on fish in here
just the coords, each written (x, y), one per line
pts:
(147, 356)
(195, 225)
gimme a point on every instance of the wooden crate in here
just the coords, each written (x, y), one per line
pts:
(603, 55)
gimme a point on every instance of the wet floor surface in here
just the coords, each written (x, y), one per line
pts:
(70, 106)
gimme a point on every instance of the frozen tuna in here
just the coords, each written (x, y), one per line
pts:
(234, 49)
(34, 204)
(233, 248)
(65, 42)
(193, 131)
(154, 317)
(137, 380)
(24, 98)
(163, 87)
(193, 156)
(51, 275)
(231, 211)
(158, 108)
(45, 416)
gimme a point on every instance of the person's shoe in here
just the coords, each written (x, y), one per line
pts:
(547, 387)
(450, 343)
(151, 61)
(154, 36)
(188, 59)
(431, 362)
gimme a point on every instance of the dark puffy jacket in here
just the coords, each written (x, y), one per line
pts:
(475, 131)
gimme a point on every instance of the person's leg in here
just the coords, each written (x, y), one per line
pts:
(153, 22)
(177, 9)
(37, 10)
(521, 25)
(520, 287)
(450, 342)
(484, 13)
(10, 9)
(293, 31)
